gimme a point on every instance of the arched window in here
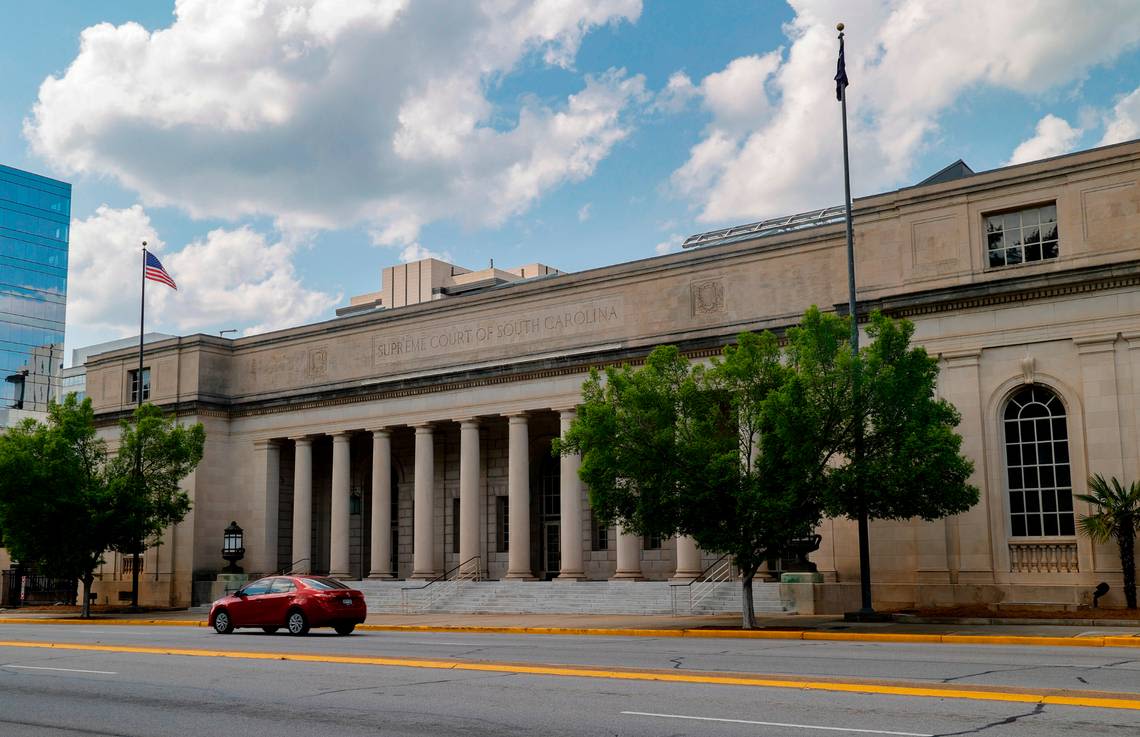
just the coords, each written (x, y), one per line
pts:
(1037, 464)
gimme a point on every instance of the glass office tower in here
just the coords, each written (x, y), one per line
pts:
(34, 216)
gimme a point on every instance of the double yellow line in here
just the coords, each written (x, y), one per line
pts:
(809, 635)
(1093, 699)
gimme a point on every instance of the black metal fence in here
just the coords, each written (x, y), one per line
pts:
(24, 588)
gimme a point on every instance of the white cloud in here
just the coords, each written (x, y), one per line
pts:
(1124, 122)
(416, 252)
(1052, 137)
(669, 245)
(324, 113)
(777, 149)
(584, 212)
(230, 279)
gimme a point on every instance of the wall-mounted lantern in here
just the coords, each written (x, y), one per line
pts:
(233, 547)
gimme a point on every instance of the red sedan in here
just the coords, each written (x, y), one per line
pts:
(293, 602)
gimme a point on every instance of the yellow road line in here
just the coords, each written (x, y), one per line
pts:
(1067, 698)
(812, 635)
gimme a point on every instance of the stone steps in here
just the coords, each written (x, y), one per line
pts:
(587, 597)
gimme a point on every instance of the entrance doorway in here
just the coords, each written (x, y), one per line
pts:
(550, 519)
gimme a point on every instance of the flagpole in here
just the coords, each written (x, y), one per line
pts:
(142, 322)
(138, 439)
(866, 609)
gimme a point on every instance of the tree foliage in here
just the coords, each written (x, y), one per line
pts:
(910, 462)
(64, 500)
(1117, 517)
(144, 476)
(55, 506)
(747, 454)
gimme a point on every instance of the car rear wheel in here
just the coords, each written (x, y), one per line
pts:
(269, 630)
(297, 623)
(344, 629)
(223, 625)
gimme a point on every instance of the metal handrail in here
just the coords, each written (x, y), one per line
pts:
(717, 572)
(292, 567)
(469, 575)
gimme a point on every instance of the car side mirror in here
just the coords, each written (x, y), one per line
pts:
(240, 593)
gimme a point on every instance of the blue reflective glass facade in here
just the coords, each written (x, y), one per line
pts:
(35, 213)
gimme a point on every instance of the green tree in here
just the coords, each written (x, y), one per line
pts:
(55, 506)
(155, 453)
(901, 456)
(676, 448)
(1117, 517)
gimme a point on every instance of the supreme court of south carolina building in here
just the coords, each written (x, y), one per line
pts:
(412, 433)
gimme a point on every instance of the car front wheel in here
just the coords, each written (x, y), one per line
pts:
(223, 625)
(297, 623)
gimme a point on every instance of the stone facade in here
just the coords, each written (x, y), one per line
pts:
(458, 398)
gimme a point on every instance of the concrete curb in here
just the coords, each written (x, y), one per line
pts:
(807, 635)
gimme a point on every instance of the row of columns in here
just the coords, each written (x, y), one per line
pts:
(423, 545)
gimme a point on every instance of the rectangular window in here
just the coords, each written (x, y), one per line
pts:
(1021, 236)
(134, 375)
(455, 525)
(599, 534)
(651, 542)
(502, 528)
(127, 564)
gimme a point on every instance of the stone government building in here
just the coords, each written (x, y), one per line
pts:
(412, 432)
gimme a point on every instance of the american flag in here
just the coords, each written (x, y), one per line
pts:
(155, 272)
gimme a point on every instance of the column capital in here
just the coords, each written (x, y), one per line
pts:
(302, 439)
(263, 443)
(517, 418)
(424, 428)
(468, 422)
(382, 431)
(341, 436)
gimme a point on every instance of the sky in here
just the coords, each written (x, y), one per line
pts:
(278, 154)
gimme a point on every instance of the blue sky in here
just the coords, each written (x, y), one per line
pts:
(279, 155)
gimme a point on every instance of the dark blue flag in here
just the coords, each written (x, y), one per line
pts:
(840, 73)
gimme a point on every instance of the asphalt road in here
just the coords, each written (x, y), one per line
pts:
(66, 691)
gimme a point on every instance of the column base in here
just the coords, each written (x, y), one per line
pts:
(628, 576)
(684, 578)
(422, 575)
(571, 576)
(381, 576)
(341, 574)
(527, 576)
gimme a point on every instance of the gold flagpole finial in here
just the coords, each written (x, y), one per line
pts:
(839, 27)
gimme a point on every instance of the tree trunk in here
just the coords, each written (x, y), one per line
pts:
(87, 579)
(134, 582)
(1127, 542)
(747, 608)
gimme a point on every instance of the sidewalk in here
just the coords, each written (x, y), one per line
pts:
(789, 626)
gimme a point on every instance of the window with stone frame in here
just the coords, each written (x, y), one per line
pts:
(651, 542)
(502, 524)
(134, 377)
(1021, 236)
(454, 524)
(1038, 474)
(599, 534)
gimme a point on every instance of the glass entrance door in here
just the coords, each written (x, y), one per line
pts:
(551, 554)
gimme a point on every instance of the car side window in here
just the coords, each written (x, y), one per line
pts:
(257, 587)
(282, 586)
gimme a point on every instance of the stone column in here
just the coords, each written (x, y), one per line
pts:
(339, 532)
(570, 511)
(518, 493)
(302, 555)
(267, 481)
(468, 522)
(423, 542)
(628, 557)
(688, 558)
(381, 550)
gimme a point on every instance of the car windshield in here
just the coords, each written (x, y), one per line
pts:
(323, 583)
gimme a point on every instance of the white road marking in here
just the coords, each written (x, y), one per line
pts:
(776, 724)
(68, 670)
